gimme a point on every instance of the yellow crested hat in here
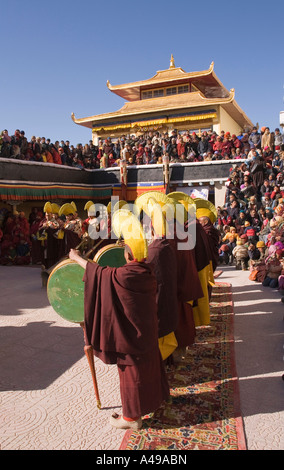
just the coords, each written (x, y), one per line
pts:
(141, 203)
(205, 208)
(119, 217)
(88, 205)
(109, 207)
(91, 208)
(158, 218)
(55, 208)
(47, 208)
(125, 224)
(121, 204)
(180, 198)
(66, 209)
(74, 206)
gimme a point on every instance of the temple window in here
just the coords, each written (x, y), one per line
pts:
(171, 91)
(147, 94)
(183, 89)
(157, 93)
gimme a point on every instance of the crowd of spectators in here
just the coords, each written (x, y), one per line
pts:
(251, 222)
(146, 148)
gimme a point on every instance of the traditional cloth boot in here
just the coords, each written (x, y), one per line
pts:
(121, 423)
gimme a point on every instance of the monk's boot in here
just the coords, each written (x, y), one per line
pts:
(120, 423)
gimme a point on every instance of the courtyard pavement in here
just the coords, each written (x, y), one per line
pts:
(47, 399)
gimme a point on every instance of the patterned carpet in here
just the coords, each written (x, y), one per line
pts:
(203, 413)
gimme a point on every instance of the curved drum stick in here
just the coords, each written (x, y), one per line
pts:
(90, 356)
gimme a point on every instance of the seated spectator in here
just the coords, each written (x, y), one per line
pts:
(274, 268)
(224, 254)
(231, 234)
(240, 222)
(225, 218)
(253, 251)
(250, 232)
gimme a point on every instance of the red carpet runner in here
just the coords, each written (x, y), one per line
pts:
(203, 413)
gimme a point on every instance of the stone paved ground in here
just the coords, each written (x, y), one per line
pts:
(259, 342)
(46, 393)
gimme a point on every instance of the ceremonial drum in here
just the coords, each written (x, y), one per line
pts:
(110, 255)
(65, 290)
(65, 287)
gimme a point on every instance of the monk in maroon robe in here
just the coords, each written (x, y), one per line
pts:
(213, 236)
(121, 325)
(188, 290)
(162, 259)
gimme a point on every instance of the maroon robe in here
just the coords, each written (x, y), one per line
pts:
(52, 252)
(121, 324)
(189, 290)
(203, 251)
(213, 242)
(162, 259)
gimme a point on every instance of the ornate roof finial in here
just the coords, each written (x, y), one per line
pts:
(172, 63)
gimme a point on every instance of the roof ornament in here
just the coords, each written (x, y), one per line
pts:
(172, 63)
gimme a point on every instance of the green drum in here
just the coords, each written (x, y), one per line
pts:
(110, 255)
(65, 290)
(65, 287)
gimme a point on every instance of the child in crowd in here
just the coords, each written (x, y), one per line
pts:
(240, 253)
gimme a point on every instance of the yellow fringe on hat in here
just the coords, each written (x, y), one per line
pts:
(88, 205)
(203, 204)
(141, 203)
(127, 225)
(121, 204)
(74, 206)
(66, 209)
(158, 218)
(109, 207)
(47, 208)
(55, 208)
(180, 196)
(119, 217)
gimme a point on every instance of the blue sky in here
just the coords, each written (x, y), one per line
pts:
(58, 55)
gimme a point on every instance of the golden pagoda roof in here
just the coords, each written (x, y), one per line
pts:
(210, 92)
(206, 81)
(167, 104)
